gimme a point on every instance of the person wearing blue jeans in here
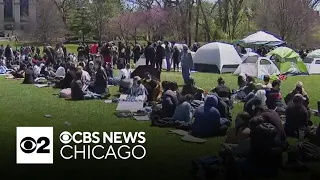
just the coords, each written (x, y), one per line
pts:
(186, 63)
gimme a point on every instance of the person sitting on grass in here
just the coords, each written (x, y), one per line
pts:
(86, 79)
(20, 72)
(297, 116)
(169, 100)
(29, 75)
(76, 87)
(222, 90)
(266, 81)
(153, 87)
(100, 83)
(137, 88)
(183, 112)
(298, 90)
(207, 119)
(191, 88)
(274, 97)
(259, 99)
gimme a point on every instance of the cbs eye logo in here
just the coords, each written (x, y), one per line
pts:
(29, 145)
(65, 137)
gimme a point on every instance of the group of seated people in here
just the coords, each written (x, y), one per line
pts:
(207, 114)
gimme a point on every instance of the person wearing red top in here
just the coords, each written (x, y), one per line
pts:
(94, 49)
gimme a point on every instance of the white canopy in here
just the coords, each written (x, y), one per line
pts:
(219, 54)
(255, 66)
(261, 37)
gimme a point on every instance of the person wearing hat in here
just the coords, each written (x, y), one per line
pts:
(137, 88)
(297, 116)
(186, 63)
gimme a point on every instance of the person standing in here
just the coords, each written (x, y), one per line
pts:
(150, 54)
(160, 53)
(167, 51)
(186, 63)
(127, 53)
(176, 58)
(136, 53)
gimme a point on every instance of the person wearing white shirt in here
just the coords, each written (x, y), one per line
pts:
(36, 70)
(85, 77)
(125, 73)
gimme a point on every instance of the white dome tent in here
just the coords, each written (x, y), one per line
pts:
(313, 65)
(217, 57)
(255, 66)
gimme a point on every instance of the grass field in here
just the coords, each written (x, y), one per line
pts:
(167, 156)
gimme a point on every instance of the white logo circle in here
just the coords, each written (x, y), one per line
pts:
(65, 137)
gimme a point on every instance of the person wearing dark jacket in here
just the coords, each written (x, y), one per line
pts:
(208, 121)
(274, 97)
(176, 58)
(191, 88)
(76, 87)
(150, 55)
(297, 116)
(136, 53)
(100, 83)
(160, 53)
(222, 90)
(29, 75)
(170, 100)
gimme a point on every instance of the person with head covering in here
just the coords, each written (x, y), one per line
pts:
(184, 111)
(61, 72)
(186, 63)
(298, 90)
(259, 99)
(207, 119)
(297, 116)
(191, 88)
(137, 88)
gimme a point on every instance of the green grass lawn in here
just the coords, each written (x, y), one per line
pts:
(167, 156)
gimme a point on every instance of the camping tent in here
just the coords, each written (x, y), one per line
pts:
(142, 61)
(288, 61)
(216, 57)
(256, 66)
(262, 37)
(314, 54)
(313, 65)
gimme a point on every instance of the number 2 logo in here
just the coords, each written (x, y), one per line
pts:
(29, 145)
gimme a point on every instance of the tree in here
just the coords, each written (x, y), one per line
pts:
(49, 24)
(292, 20)
(81, 23)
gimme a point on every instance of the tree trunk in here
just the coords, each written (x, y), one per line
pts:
(189, 21)
(207, 27)
(196, 38)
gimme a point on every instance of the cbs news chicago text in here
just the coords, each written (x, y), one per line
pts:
(34, 145)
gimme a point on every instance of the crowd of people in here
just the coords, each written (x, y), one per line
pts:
(205, 114)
